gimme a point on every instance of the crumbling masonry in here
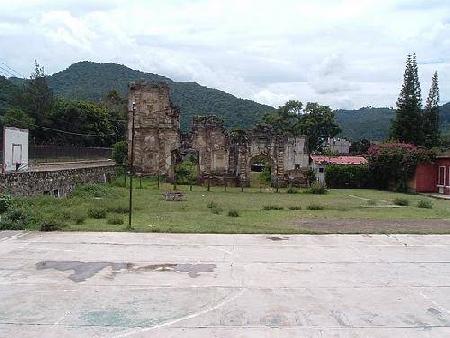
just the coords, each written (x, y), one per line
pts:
(223, 157)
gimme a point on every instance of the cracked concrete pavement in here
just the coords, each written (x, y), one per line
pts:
(196, 285)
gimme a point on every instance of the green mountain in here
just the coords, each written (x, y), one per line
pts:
(92, 81)
(374, 123)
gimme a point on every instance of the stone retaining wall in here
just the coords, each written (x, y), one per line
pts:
(58, 183)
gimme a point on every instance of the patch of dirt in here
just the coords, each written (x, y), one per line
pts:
(370, 226)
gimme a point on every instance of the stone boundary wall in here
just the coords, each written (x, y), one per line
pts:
(58, 183)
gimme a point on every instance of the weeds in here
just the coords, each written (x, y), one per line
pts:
(314, 206)
(401, 202)
(97, 213)
(272, 207)
(425, 204)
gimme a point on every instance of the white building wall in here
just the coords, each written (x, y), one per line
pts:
(15, 149)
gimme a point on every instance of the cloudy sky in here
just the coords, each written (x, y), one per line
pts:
(344, 53)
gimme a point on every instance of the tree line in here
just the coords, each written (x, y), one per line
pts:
(56, 120)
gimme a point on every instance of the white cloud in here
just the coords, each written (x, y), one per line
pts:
(345, 53)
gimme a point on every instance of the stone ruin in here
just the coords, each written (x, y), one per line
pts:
(223, 157)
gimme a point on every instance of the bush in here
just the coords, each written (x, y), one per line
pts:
(347, 176)
(425, 204)
(91, 190)
(15, 219)
(233, 213)
(5, 203)
(120, 152)
(315, 207)
(186, 172)
(50, 224)
(291, 190)
(78, 216)
(97, 213)
(393, 164)
(295, 208)
(115, 219)
(317, 188)
(118, 209)
(216, 210)
(401, 201)
(272, 207)
(211, 205)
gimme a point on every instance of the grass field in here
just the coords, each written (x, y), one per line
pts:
(207, 212)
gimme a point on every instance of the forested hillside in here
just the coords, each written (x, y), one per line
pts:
(92, 81)
(374, 123)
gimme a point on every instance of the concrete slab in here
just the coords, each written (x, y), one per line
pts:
(172, 285)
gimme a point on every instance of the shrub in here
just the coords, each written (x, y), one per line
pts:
(5, 203)
(272, 207)
(118, 209)
(120, 152)
(211, 205)
(186, 172)
(401, 201)
(347, 176)
(391, 165)
(295, 208)
(291, 190)
(91, 190)
(315, 207)
(233, 213)
(49, 224)
(115, 219)
(78, 216)
(317, 188)
(97, 213)
(15, 219)
(216, 210)
(425, 204)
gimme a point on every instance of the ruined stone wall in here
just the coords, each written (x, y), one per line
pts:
(211, 140)
(58, 183)
(159, 144)
(157, 129)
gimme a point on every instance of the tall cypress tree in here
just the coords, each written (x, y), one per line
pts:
(431, 116)
(407, 124)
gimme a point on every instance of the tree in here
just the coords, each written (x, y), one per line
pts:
(360, 147)
(407, 124)
(15, 117)
(285, 120)
(431, 116)
(120, 152)
(37, 102)
(318, 124)
(314, 121)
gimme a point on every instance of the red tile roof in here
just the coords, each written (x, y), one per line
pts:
(321, 159)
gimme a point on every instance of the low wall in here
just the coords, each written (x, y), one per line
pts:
(58, 183)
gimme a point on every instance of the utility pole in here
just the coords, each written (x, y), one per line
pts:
(130, 206)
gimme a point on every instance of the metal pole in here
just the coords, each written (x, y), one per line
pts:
(130, 206)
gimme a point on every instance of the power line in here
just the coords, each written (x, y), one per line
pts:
(64, 131)
(6, 72)
(12, 69)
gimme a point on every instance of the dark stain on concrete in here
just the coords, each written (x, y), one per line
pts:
(278, 238)
(81, 270)
(85, 270)
(193, 270)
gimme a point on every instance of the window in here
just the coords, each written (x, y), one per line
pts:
(55, 193)
(441, 175)
(321, 169)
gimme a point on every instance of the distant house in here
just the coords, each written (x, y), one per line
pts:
(338, 146)
(433, 177)
(319, 162)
